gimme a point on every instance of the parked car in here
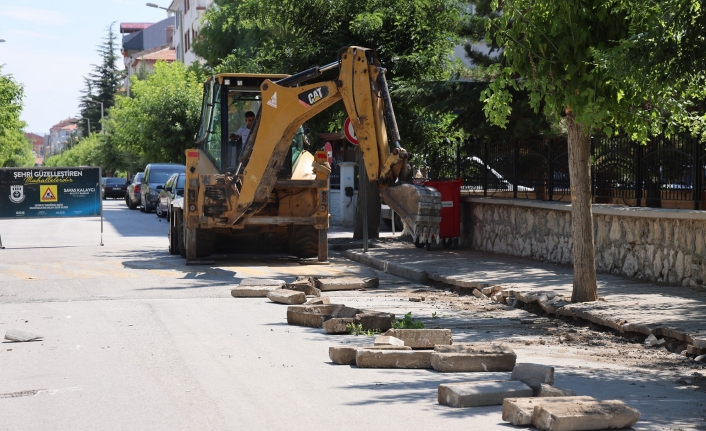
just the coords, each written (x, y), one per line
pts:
(132, 197)
(114, 188)
(173, 188)
(156, 174)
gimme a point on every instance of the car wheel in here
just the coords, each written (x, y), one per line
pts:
(447, 242)
(142, 205)
(159, 212)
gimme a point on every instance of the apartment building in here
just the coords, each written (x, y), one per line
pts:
(190, 12)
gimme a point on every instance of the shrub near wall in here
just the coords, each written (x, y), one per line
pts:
(655, 245)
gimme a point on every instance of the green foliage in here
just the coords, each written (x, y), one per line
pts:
(158, 122)
(84, 153)
(407, 323)
(103, 83)
(357, 329)
(15, 149)
(413, 39)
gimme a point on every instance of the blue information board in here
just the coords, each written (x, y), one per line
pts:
(50, 192)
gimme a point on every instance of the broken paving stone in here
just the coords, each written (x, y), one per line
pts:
(306, 285)
(324, 300)
(386, 340)
(519, 411)
(339, 325)
(549, 391)
(262, 282)
(288, 297)
(692, 350)
(478, 294)
(485, 393)
(312, 316)
(345, 355)
(584, 415)
(701, 358)
(481, 357)
(653, 341)
(413, 299)
(533, 375)
(487, 291)
(346, 283)
(252, 291)
(22, 335)
(366, 358)
(375, 320)
(422, 338)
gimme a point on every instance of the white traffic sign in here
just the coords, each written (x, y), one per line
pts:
(350, 132)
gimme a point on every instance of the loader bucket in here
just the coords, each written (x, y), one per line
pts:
(418, 206)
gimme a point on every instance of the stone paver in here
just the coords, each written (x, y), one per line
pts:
(485, 393)
(473, 358)
(346, 283)
(286, 296)
(519, 411)
(422, 338)
(366, 358)
(386, 340)
(627, 305)
(584, 415)
(533, 375)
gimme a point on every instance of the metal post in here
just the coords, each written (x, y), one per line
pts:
(638, 173)
(485, 169)
(100, 175)
(392, 212)
(1, 246)
(362, 186)
(550, 192)
(515, 170)
(696, 181)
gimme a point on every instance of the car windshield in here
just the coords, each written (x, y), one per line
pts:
(160, 176)
(180, 181)
(114, 181)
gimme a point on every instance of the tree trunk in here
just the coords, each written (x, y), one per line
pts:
(585, 287)
(373, 198)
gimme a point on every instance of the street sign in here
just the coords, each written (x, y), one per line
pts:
(50, 192)
(329, 150)
(349, 131)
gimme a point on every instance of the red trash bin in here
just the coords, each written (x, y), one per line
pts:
(450, 228)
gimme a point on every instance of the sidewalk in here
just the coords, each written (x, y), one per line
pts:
(626, 305)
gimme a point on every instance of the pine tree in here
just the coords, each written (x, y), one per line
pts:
(103, 83)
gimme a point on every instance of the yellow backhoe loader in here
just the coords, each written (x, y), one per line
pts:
(267, 195)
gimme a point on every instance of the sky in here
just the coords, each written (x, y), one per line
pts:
(50, 46)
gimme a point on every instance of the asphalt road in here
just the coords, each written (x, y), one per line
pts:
(134, 339)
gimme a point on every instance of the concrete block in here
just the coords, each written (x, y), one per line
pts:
(422, 338)
(700, 358)
(21, 335)
(584, 415)
(343, 311)
(285, 296)
(487, 291)
(699, 343)
(342, 355)
(346, 283)
(339, 325)
(319, 301)
(478, 294)
(653, 341)
(373, 320)
(263, 282)
(533, 375)
(386, 348)
(252, 291)
(519, 411)
(386, 340)
(474, 358)
(487, 393)
(549, 391)
(692, 350)
(307, 286)
(366, 358)
(312, 316)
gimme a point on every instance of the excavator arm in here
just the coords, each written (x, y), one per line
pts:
(362, 87)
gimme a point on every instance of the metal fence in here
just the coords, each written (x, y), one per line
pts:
(667, 172)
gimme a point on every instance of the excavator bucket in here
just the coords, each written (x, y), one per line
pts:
(418, 206)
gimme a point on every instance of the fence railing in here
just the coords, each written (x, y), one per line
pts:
(666, 172)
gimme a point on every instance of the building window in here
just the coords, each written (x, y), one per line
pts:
(187, 41)
(186, 5)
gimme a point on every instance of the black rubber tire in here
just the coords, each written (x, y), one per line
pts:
(304, 241)
(173, 239)
(142, 207)
(447, 242)
(179, 222)
(131, 205)
(160, 213)
(418, 244)
(399, 225)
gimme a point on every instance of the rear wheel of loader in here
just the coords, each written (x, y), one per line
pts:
(198, 243)
(179, 223)
(173, 236)
(304, 241)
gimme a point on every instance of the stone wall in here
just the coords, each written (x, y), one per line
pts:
(648, 244)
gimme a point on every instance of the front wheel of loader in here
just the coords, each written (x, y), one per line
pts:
(304, 241)
(199, 243)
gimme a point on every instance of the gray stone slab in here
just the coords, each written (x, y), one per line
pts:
(366, 358)
(475, 358)
(485, 393)
(584, 415)
(422, 338)
(386, 340)
(371, 320)
(339, 325)
(252, 291)
(342, 355)
(323, 300)
(286, 296)
(21, 335)
(312, 316)
(307, 286)
(346, 283)
(533, 375)
(263, 282)
(519, 411)
(550, 391)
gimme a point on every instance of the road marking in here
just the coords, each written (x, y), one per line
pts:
(20, 274)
